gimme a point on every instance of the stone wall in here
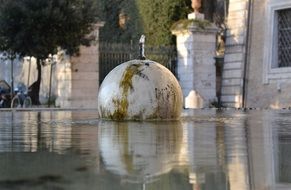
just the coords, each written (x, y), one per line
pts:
(78, 80)
(235, 49)
(268, 86)
(78, 77)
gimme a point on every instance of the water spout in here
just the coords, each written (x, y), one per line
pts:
(141, 47)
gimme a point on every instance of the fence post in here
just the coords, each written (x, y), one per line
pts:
(12, 78)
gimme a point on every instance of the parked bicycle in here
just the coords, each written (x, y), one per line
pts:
(21, 99)
(5, 97)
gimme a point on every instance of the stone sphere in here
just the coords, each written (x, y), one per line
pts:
(140, 90)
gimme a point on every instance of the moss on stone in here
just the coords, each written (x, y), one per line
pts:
(186, 23)
(121, 105)
(126, 81)
(120, 109)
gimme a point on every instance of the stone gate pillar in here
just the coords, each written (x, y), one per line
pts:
(78, 77)
(196, 42)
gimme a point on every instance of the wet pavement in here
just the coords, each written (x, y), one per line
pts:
(206, 150)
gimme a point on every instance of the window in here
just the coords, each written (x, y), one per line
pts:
(284, 37)
(277, 44)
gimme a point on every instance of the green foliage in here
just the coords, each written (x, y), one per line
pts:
(38, 27)
(122, 23)
(151, 17)
(158, 17)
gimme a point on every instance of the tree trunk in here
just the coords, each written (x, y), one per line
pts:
(35, 87)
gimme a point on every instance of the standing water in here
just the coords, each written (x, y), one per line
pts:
(205, 150)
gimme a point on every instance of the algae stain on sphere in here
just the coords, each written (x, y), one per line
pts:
(140, 90)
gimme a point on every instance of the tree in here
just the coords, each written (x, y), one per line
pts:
(122, 21)
(39, 27)
(159, 15)
(150, 17)
(153, 18)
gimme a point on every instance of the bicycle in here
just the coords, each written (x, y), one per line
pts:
(5, 98)
(21, 99)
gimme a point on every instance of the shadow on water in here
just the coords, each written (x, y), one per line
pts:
(205, 150)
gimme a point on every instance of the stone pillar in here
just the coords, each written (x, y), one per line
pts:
(79, 77)
(196, 42)
(64, 78)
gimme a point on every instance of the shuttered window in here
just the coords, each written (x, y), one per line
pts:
(284, 37)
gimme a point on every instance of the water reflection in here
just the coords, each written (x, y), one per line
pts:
(141, 152)
(206, 150)
(206, 156)
(269, 150)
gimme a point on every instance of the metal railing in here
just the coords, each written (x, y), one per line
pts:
(113, 54)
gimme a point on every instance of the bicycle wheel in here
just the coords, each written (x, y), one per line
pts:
(27, 102)
(15, 103)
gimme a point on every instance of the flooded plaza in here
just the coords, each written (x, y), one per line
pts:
(206, 150)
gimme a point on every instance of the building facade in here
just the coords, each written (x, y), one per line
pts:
(257, 67)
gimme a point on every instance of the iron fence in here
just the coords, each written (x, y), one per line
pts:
(113, 54)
